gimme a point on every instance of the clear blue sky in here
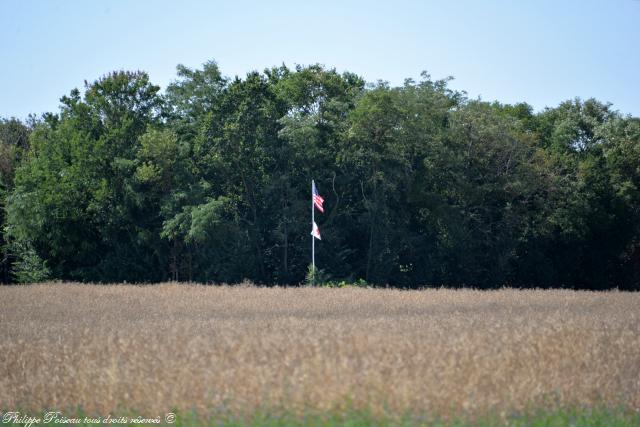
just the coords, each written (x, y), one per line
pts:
(541, 52)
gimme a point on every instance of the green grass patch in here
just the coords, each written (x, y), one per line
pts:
(600, 417)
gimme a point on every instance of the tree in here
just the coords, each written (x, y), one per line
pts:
(72, 204)
(211, 182)
(14, 142)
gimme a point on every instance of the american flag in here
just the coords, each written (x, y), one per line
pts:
(317, 198)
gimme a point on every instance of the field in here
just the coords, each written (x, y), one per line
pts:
(237, 351)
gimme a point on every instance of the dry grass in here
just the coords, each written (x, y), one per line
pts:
(153, 348)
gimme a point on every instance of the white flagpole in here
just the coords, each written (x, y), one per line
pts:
(313, 240)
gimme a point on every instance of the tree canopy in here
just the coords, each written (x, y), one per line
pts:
(210, 182)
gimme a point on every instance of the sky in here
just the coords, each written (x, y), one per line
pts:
(541, 52)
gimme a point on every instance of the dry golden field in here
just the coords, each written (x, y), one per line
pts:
(214, 349)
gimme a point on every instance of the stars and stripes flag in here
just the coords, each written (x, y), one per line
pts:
(317, 198)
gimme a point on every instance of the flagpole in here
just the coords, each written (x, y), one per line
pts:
(313, 240)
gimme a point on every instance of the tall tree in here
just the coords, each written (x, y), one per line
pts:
(72, 205)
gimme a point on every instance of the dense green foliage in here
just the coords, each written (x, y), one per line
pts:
(210, 182)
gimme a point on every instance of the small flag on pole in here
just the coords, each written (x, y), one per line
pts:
(316, 231)
(317, 198)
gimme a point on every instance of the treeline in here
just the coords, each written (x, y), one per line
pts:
(210, 182)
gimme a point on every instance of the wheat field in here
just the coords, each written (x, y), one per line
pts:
(238, 349)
